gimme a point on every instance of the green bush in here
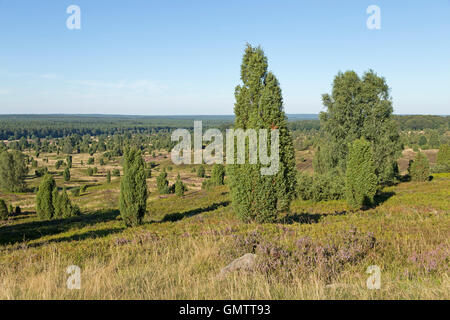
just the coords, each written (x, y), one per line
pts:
(116, 173)
(3, 210)
(419, 168)
(44, 198)
(201, 172)
(75, 192)
(361, 180)
(218, 174)
(66, 174)
(90, 172)
(180, 187)
(162, 183)
(133, 188)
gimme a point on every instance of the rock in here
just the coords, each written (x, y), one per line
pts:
(244, 263)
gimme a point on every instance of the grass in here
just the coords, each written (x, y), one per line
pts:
(185, 241)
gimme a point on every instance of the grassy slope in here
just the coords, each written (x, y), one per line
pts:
(179, 251)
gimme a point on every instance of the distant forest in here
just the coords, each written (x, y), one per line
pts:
(13, 127)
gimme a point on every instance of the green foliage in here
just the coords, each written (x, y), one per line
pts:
(63, 206)
(116, 173)
(320, 187)
(13, 170)
(218, 174)
(44, 198)
(18, 210)
(358, 108)
(201, 172)
(69, 161)
(133, 188)
(90, 172)
(3, 210)
(162, 183)
(259, 105)
(361, 181)
(422, 141)
(66, 174)
(90, 160)
(41, 172)
(180, 187)
(58, 164)
(419, 168)
(108, 176)
(75, 192)
(443, 156)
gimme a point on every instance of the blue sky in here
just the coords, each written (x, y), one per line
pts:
(183, 57)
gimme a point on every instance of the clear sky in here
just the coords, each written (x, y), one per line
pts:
(183, 57)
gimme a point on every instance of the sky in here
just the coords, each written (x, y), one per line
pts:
(176, 57)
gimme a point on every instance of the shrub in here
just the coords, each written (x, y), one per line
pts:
(180, 187)
(162, 183)
(201, 172)
(419, 168)
(90, 172)
(3, 210)
(116, 173)
(75, 192)
(69, 161)
(361, 180)
(13, 170)
(58, 164)
(18, 210)
(66, 174)
(218, 174)
(41, 172)
(108, 176)
(133, 188)
(443, 159)
(320, 187)
(90, 160)
(44, 198)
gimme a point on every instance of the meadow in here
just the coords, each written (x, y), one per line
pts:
(185, 241)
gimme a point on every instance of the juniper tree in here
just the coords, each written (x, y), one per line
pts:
(162, 183)
(361, 180)
(259, 105)
(13, 171)
(66, 174)
(133, 188)
(179, 186)
(419, 168)
(201, 172)
(44, 198)
(218, 174)
(358, 108)
(443, 156)
(69, 161)
(3, 210)
(108, 176)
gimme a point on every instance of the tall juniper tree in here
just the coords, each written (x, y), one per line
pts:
(259, 105)
(133, 188)
(44, 198)
(361, 181)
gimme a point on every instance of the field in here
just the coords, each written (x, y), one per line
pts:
(185, 242)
